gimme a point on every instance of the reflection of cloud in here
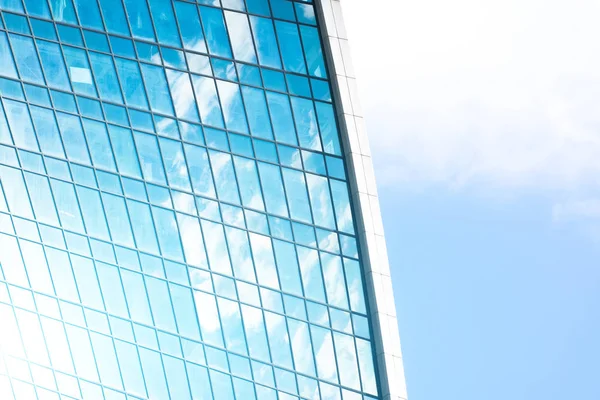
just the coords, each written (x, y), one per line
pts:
(240, 36)
(181, 92)
(264, 261)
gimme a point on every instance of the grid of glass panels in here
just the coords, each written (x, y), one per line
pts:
(174, 213)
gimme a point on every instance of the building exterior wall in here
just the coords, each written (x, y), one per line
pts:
(187, 208)
(365, 199)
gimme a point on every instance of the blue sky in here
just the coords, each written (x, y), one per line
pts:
(485, 132)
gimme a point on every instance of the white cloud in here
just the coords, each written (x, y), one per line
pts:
(480, 94)
(579, 209)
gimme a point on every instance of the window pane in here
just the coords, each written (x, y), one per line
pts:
(139, 19)
(27, 59)
(183, 97)
(241, 37)
(88, 13)
(266, 43)
(189, 23)
(158, 90)
(291, 49)
(164, 21)
(79, 71)
(114, 16)
(216, 33)
(131, 83)
(106, 77)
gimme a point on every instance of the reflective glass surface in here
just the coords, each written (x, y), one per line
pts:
(175, 220)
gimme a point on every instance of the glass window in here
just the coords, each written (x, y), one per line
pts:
(264, 261)
(323, 347)
(20, 124)
(150, 158)
(258, 114)
(168, 233)
(248, 182)
(320, 200)
(312, 51)
(306, 123)
(47, 131)
(208, 317)
(208, 102)
(291, 48)
(287, 266)
(266, 42)
(106, 77)
(224, 177)
(68, 207)
(216, 33)
(216, 247)
(53, 64)
(124, 150)
(41, 198)
(281, 116)
(131, 83)
(164, 21)
(26, 57)
(233, 108)
(89, 15)
(241, 37)
(275, 200)
(139, 19)
(73, 138)
(79, 71)
(175, 165)
(62, 10)
(114, 16)
(295, 186)
(183, 97)
(189, 23)
(6, 58)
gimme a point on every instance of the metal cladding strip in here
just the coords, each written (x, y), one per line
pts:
(365, 201)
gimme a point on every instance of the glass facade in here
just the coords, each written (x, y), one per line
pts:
(175, 220)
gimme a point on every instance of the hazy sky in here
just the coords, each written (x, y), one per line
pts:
(484, 119)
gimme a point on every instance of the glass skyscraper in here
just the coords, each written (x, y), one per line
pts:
(187, 207)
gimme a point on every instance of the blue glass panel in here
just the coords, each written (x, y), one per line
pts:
(164, 22)
(258, 114)
(89, 14)
(158, 89)
(266, 42)
(131, 83)
(260, 7)
(182, 94)
(79, 71)
(233, 108)
(26, 58)
(291, 48)
(139, 19)
(106, 77)
(189, 23)
(114, 16)
(63, 11)
(216, 33)
(16, 23)
(281, 117)
(313, 52)
(12, 5)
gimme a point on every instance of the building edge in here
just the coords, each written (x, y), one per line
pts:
(365, 201)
